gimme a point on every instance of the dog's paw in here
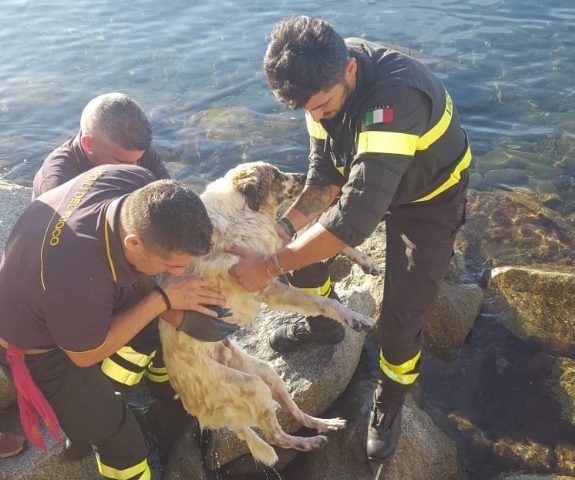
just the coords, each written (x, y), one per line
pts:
(371, 268)
(331, 424)
(367, 264)
(358, 322)
(313, 443)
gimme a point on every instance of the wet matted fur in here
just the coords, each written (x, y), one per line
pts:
(218, 382)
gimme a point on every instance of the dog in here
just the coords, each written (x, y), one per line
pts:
(217, 382)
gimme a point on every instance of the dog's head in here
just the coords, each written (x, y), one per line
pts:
(265, 186)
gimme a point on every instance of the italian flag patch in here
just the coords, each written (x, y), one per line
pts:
(379, 115)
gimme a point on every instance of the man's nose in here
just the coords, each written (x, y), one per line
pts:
(316, 114)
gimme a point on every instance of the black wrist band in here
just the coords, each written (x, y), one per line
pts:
(164, 295)
(288, 227)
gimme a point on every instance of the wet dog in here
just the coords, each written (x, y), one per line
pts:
(218, 382)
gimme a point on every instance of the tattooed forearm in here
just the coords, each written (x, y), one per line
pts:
(314, 200)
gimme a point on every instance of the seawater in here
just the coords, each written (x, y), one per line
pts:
(508, 64)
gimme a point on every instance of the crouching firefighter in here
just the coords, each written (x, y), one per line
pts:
(386, 144)
(75, 288)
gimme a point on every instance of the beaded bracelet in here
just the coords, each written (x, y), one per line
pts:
(164, 295)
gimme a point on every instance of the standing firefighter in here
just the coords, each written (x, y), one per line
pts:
(76, 284)
(386, 144)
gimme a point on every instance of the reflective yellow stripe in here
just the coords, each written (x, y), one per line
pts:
(432, 135)
(399, 373)
(453, 179)
(314, 129)
(141, 469)
(123, 375)
(137, 358)
(322, 290)
(341, 170)
(386, 142)
(120, 374)
(157, 374)
(157, 370)
(152, 377)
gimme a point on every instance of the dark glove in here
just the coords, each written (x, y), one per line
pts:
(206, 328)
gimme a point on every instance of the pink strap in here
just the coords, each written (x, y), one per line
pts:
(31, 401)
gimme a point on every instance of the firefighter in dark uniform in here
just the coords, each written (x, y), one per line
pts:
(75, 286)
(113, 130)
(386, 144)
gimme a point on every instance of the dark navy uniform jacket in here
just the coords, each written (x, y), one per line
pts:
(70, 160)
(64, 274)
(397, 140)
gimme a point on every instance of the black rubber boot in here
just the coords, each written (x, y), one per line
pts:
(385, 420)
(317, 330)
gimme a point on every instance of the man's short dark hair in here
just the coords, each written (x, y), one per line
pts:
(119, 119)
(305, 56)
(169, 218)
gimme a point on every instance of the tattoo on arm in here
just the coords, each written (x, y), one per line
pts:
(315, 200)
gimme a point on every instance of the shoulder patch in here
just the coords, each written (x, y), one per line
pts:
(379, 114)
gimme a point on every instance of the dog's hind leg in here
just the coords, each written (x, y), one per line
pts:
(279, 296)
(242, 400)
(261, 451)
(240, 360)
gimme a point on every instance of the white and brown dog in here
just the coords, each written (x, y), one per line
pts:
(218, 382)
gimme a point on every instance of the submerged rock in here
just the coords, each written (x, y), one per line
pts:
(512, 228)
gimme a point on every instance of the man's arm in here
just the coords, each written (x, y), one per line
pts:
(184, 293)
(312, 201)
(124, 327)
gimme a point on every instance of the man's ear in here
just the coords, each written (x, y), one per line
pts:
(86, 142)
(351, 67)
(133, 243)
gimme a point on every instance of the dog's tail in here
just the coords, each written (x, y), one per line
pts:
(261, 451)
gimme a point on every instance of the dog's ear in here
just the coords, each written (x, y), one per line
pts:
(252, 194)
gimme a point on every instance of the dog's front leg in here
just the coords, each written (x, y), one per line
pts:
(367, 264)
(279, 296)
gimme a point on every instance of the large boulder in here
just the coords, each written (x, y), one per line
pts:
(453, 315)
(537, 304)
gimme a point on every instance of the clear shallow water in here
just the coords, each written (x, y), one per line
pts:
(508, 64)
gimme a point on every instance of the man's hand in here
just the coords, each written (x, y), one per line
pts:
(192, 293)
(252, 270)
